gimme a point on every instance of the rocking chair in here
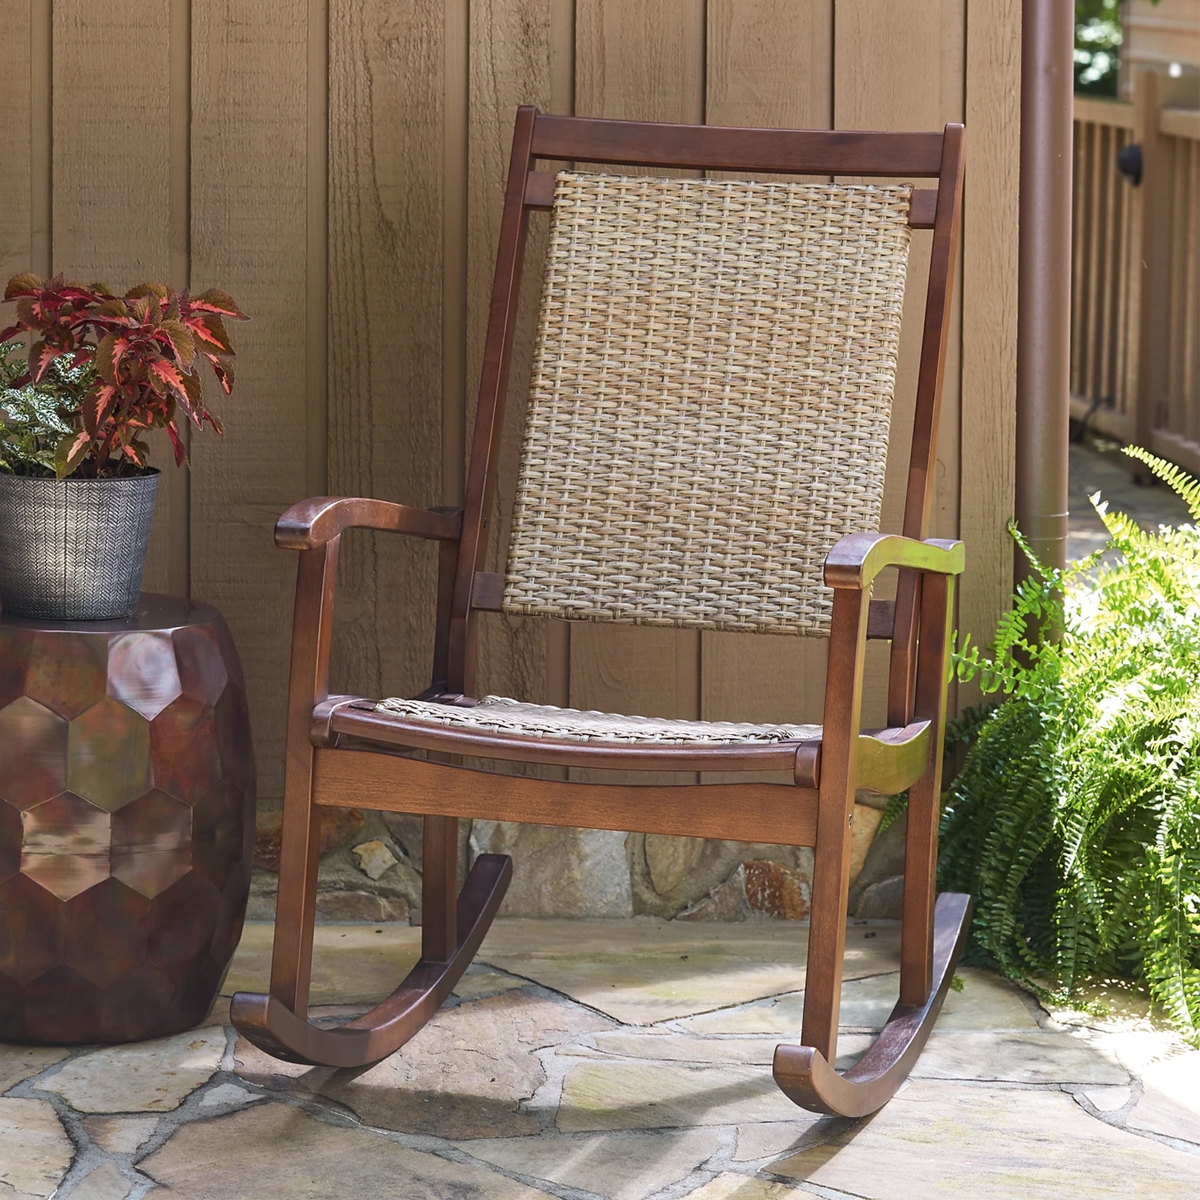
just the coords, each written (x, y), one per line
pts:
(704, 448)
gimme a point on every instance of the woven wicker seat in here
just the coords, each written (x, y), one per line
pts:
(498, 714)
(704, 448)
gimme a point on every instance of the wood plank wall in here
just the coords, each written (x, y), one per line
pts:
(338, 168)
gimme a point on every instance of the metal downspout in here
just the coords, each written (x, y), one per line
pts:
(1044, 278)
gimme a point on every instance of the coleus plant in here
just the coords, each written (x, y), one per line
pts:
(144, 350)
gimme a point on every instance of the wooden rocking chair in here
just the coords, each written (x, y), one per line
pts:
(704, 448)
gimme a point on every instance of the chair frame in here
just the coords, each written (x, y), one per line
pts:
(327, 764)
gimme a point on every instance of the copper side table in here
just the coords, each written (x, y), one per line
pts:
(126, 822)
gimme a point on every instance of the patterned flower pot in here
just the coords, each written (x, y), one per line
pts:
(74, 549)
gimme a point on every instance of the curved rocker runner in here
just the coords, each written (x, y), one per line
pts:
(275, 1028)
(725, 482)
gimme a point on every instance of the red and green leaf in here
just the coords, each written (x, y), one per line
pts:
(216, 301)
(146, 347)
(70, 453)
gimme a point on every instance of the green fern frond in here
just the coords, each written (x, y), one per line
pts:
(1075, 820)
(1185, 486)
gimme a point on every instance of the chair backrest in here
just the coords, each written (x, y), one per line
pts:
(711, 398)
(714, 372)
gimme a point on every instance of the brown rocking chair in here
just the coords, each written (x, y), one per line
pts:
(704, 448)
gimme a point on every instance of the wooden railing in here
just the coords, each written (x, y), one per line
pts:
(1135, 286)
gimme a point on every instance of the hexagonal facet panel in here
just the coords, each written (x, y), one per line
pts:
(33, 753)
(181, 919)
(124, 1005)
(109, 753)
(202, 671)
(66, 847)
(62, 1006)
(218, 842)
(183, 742)
(152, 843)
(105, 932)
(66, 672)
(29, 920)
(15, 648)
(234, 738)
(142, 671)
(12, 830)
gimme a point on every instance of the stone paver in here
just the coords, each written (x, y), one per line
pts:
(20, 1062)
(120, 1135)
(350, 962)
(954, 1140)
(618, 1059)
(1040, 1056)
(154, 1076)
(1107, 1099)
(35, 1151)
(104, 1183)
(477, 984)
(985, 1002)
(738, 1187)
(666, 969)
(623, 1168)
(769, 1139)
(281, 1153)
(624, 1095)
(1170, 1103)
(462, 1076)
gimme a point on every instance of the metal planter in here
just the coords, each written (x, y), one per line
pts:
(74, 549)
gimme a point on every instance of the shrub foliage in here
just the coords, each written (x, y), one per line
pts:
(1075, 821)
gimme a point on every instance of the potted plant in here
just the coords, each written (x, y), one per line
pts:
(76, 490)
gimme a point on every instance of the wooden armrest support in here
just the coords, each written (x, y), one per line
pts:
(313, 522)
(859, 557)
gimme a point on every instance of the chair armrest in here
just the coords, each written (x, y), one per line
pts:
(313, 522)
(859, 557)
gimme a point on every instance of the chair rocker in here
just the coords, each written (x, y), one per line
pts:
(704, 447)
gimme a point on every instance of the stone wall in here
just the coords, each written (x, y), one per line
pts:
(371, 870)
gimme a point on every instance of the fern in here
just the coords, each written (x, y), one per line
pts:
(1075, 821)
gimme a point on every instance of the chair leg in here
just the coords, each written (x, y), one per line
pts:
(287, 1034)
(920, 892)
(296, 903)
(807, 1077)
(932, 937)
(454, 924)
(439, 889)
(827, 927)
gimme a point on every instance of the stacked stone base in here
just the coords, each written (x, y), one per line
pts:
(371, 870)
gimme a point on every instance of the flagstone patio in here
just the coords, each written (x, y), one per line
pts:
(621, 1059)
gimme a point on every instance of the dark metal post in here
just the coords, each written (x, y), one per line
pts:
(1044, 278)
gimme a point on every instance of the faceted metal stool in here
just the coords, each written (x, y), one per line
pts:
(126, 822)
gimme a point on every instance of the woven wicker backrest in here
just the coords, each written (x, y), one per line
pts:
(711, 399)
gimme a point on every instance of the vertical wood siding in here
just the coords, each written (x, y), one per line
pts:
(339, 169)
